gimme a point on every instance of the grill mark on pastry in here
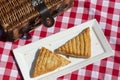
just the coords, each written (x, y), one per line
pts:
(50, 58)
(61, 48)
(54, 62)
(85, 43)
(89, 48)
(68, 51)
(64, 47)
(78, 51)
(68, 48)
(42, 59)
(89, 44)
(43, 62)
(41, 51)
(50, 55)
(80, 45)
(74, 50)
(71, 47)
(45, 59)
(38, 61)
(77, 46)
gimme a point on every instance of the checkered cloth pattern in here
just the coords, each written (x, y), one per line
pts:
(107, 13)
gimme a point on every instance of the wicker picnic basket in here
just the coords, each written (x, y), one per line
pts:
(18, 17)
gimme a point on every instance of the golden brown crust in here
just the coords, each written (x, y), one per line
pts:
(48, 61)
(79, 46)
(89, 40)
(82, 44)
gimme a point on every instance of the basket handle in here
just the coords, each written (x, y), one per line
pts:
(46, 19)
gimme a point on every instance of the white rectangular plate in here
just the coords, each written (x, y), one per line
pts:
(100, 49)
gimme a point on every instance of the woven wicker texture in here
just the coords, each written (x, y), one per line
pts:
(16, 16)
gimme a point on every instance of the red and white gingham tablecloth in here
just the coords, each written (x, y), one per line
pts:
(107, 13)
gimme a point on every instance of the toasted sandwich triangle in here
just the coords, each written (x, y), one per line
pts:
(79, 46)
(48, 61)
